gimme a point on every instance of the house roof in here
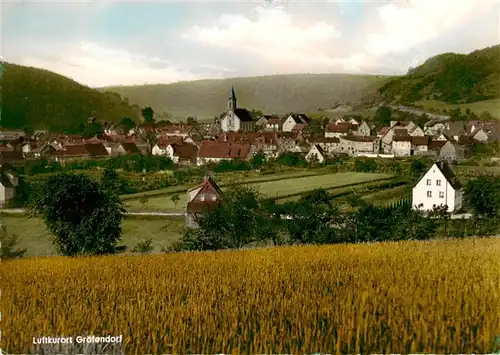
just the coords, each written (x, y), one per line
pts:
(208, 184)
(299, 127)
(332, 140)
(318, 147)
(456, 129)
(223, 150)
(300, 118)
(74, 150)
(383, 131)
(434, 144)
(243, 114)
(420, 140)
(238, 136)
(185, 151)
(96, 149)
(445, 169)
(338, 128)
(11, 156)
(402, 138)
(8, 177)
(359, 138)
(131, 148)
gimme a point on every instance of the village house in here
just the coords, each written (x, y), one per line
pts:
(419, 145)
(452, 151)
(433, 127)
(357, 144)
(43, 151)
(315, 154)
(293, 120)
(127, 148)
(202, 199)
(328, 145)
(288, 141)
(401, 146)
(189, 133)
(479, 135)
(13, 158)
(72, 152)
(9, 183)
(216, 151)
(160, 148)
(182, 154)
(363, 129)
(337, 130)
(455, 130)
(391, 133)
(438, 187)
(236, 119)
(416, 132)
(275, 123)
(10, 135)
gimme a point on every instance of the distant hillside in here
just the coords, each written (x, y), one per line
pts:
(42, 99)
(270, 94)
(450, 78)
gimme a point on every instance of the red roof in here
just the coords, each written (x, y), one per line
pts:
(420, 140)
(359, 138)
(338, 128)
(223, 150)
(197, 205)
(437, 144)
(185, 151)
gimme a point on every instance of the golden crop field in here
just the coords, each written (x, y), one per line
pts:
(409, 297)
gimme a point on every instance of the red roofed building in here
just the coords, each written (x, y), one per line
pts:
(215, 151)
(202, 199)
(337, 130)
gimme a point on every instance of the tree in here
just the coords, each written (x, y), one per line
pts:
(239, 221)
(175, 199)
(482, 195)
(256, 114)
(258, 160)
(111, 181)
(148, 114)
(84, 217)
(192, 121)
(127, 123)
(28, 130)
(92, 129)
(383, 115)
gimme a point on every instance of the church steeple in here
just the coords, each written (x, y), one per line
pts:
(231, 105)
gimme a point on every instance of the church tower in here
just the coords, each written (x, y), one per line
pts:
(231, 103)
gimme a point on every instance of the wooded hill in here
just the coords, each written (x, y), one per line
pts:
(38, 98)
(270, 94)
(449, 77)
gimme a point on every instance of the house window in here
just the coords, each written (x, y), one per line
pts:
(429, 193)
(441, 194)
(438, 182)
(202, 198)
(214, 198)
(428, 182)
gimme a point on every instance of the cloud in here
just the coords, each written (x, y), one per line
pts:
(95, 65)
(407, 25)
(273, 35)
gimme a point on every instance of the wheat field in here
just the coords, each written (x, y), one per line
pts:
(408, 297)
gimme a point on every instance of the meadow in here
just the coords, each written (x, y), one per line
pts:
(34, 236)
(408, 297)
(273, 188)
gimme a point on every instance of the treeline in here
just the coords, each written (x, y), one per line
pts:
(33, 97)
(248, 219)
(452, 78)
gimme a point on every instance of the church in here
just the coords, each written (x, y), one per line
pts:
(236, 119)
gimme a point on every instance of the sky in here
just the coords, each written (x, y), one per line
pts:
(103, 43)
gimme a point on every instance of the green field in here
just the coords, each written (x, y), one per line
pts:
(232, 178)
(38, 240)
(491, 106)
(274, 188)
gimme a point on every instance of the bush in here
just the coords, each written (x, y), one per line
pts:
(8, 244)
(145, 246)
